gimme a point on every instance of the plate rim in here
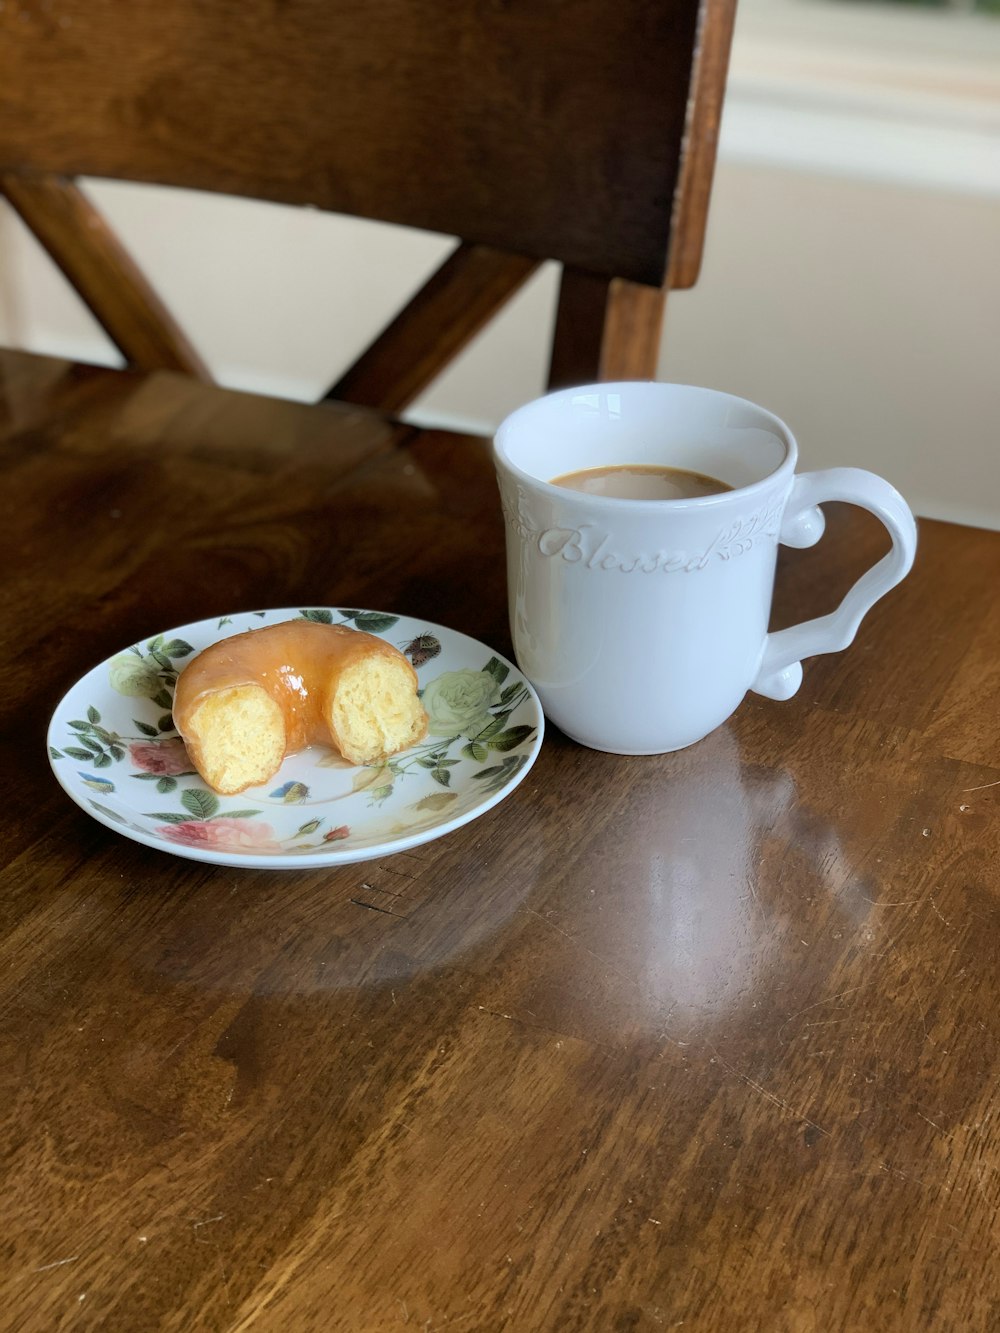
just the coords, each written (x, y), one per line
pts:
(336, 856)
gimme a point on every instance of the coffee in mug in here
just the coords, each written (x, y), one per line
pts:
(641, 481)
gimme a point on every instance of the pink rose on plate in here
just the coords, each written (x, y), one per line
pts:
(165, 758)
(223, 834)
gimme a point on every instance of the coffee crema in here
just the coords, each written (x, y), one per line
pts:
(641, 481)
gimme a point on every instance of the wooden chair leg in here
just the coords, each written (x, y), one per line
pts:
(79, 240)
(606, 329)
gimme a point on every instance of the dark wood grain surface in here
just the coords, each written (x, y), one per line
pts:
(703, 1041)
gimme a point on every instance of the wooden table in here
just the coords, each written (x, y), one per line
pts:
(707, 1040)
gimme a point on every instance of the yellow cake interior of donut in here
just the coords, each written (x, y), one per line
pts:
(374, 711)
(239, 737)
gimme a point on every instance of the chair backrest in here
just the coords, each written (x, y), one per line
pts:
(576, 130)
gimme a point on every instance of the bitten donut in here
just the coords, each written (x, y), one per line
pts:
(246, 702)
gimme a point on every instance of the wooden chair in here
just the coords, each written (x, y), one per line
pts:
(577, 130)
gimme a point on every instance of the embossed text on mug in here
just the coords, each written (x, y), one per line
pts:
(594, 549)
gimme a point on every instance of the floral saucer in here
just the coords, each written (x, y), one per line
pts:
(114, 749)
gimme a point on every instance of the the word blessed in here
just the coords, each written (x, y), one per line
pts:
(594, 550)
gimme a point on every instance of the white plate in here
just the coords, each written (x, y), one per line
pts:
(114, 749)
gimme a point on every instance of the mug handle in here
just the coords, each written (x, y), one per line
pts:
(780, 673)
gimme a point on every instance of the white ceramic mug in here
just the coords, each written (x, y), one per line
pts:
(643, 623)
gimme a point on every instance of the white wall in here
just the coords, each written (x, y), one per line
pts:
(851, 280)
(868, 317)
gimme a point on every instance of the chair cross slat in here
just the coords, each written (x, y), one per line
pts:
(457, 300)
(79, 239)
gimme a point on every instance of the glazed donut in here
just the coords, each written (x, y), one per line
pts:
(246, 702)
